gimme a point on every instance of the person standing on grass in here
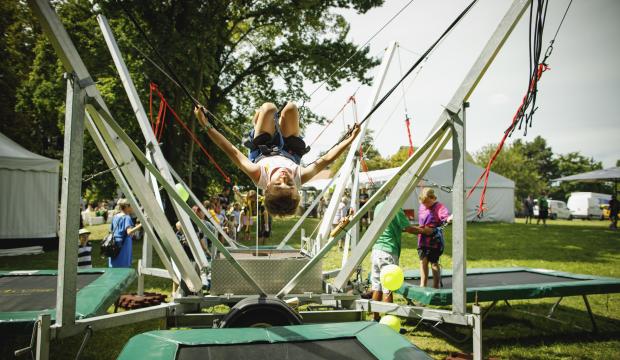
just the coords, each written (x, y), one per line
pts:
(431, 216)
(543, 209)
(614, 208)
(386, 251)
(528, 209)
(122, 229)
(85, 250)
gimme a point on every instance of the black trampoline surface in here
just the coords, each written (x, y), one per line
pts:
(333, 349)
(502, 278)
(34, 292)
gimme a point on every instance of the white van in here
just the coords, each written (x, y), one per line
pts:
(557, 210)
(587, 205)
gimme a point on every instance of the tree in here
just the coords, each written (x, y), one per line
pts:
(541, 155)
(513, 164)
(232, 55)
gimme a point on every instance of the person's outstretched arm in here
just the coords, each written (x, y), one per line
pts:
(322, 162)
(250, 169)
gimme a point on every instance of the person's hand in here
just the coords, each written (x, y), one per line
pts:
(352, 134)
(199, 111)
(449, 219)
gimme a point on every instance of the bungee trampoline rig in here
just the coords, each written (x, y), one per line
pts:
(262, 286)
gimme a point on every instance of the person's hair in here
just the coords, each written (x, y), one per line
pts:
(427, 193)
(207, 204)
(281, 202)
(123, 204)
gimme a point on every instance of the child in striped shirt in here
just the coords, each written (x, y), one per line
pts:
(85, 250)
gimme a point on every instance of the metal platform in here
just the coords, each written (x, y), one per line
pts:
(271, 269)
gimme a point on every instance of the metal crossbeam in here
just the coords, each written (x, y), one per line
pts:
(393, 203)
(105, 121)
(349, 163)
(151, 139)
(72, 62)
(70, 202)
(122, 183)
(377, 196)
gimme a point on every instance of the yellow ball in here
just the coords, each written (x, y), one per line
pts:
(392, 277)
(392, 321)
(182, 191)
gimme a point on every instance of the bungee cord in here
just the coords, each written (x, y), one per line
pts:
(525, 112)
(411, 69)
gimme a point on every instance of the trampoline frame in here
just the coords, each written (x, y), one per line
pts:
(85, 108)
(364, 332)
(582, 285)
(89, 301)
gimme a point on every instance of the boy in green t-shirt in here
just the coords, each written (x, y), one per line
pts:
(386, 251)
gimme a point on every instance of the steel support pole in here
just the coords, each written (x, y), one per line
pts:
(70, 203)
(43, 337)
(355, 203)
(393, 204)
(477, 333)
(432, 142)
(147, 225)
(347, 166)
(151, 139)
(66, 51)
(459, 215)
(120, 143)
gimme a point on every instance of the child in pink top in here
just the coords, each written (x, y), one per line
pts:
(431, 216)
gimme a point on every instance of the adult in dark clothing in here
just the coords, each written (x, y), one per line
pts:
(528, 209)
(543, 209)
(614, 208)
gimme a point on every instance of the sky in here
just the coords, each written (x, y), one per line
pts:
(576, 97)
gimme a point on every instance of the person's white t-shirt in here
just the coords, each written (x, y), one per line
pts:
(270, 164)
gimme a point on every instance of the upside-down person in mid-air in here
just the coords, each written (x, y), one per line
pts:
(276, 148)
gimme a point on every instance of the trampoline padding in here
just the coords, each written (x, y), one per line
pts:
(337, 349)
(490, 284)
(26, 294)
(23, 293)
(353, 340)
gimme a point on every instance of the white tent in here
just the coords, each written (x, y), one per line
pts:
(499, 196)
(29, 193)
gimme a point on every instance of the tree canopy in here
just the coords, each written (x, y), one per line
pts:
(232, 55)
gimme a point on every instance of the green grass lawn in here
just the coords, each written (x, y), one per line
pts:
(586, 247)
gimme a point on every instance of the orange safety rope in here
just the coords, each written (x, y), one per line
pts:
(160, 123)
(408, 124)
(487, 171)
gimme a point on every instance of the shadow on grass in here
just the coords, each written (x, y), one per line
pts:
(507, 327)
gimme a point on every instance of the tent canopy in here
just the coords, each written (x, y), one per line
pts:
(609, 174)
(14, 157)
(499, 196)
(29, 193)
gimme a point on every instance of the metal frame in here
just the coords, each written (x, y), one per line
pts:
(349, 163)
(122, 154)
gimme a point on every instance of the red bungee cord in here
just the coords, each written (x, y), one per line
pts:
(515, 119)
(159, 124)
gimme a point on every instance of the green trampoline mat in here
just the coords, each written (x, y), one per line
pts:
(336, 341)
(24, 295)
(491, 284)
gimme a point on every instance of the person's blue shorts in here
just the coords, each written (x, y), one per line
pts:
(265, 145)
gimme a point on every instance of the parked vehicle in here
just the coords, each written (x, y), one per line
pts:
(587, 205)
(557, 210)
